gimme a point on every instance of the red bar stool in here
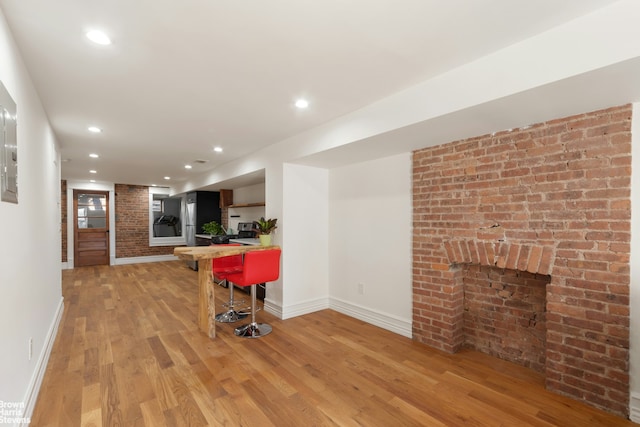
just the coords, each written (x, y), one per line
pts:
(222, 268)
(258, 267)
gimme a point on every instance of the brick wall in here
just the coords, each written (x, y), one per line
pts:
(550, 199)
(132, 223)
(505, 315)
(224, 212)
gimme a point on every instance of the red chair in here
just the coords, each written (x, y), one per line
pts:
(222, 268)
(258, 267)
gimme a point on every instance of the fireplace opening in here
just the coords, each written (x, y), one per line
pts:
(505, 314)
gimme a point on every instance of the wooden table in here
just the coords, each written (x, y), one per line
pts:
(204, 255)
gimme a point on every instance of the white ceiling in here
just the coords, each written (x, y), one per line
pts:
(184, 76)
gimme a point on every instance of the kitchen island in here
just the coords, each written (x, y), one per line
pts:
(203, 256)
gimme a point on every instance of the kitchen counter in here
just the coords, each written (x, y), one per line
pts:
(250, 242)
(207, 239)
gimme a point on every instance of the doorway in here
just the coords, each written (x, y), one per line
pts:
(91, 227)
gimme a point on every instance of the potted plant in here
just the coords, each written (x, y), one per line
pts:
(264, 227)
(217, 232)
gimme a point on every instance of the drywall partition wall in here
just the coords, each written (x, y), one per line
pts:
(30, 276)
(274, 196)
(305, 229)
(370, 242)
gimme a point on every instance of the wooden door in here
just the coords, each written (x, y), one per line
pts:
(91, 227)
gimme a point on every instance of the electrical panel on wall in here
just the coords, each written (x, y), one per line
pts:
(8, 148)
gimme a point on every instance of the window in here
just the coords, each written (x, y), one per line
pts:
(92, 212)
(166, 213)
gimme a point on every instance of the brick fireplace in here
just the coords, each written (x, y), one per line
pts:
(521, 250)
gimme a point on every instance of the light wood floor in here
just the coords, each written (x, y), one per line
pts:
(128, 353)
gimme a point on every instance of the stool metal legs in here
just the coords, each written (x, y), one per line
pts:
(253, 329)
(231, 315)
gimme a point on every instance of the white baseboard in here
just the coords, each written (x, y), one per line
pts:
(382, 320)
(634, 407)
(142, 259)
(41, 364)
(272, 308)
(305, 307)
(295, 310)
(131, 260)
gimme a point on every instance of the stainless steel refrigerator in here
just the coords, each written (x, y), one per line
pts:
(202, 207)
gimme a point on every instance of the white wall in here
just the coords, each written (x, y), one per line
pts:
(248, 194)
(370, 242)
(30, 275)
(304, 233)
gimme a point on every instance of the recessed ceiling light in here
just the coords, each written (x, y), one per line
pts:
(93, 171)
(94, 129)
(302, 103)
(92, 180)
(188, 166)
(98, 37)
(94, 155)
(217, 149)
(167, 177)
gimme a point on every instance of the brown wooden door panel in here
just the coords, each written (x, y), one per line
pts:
(92, 242)
(93, 253)
(91, 245)
(92, 235)
(91, 227)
